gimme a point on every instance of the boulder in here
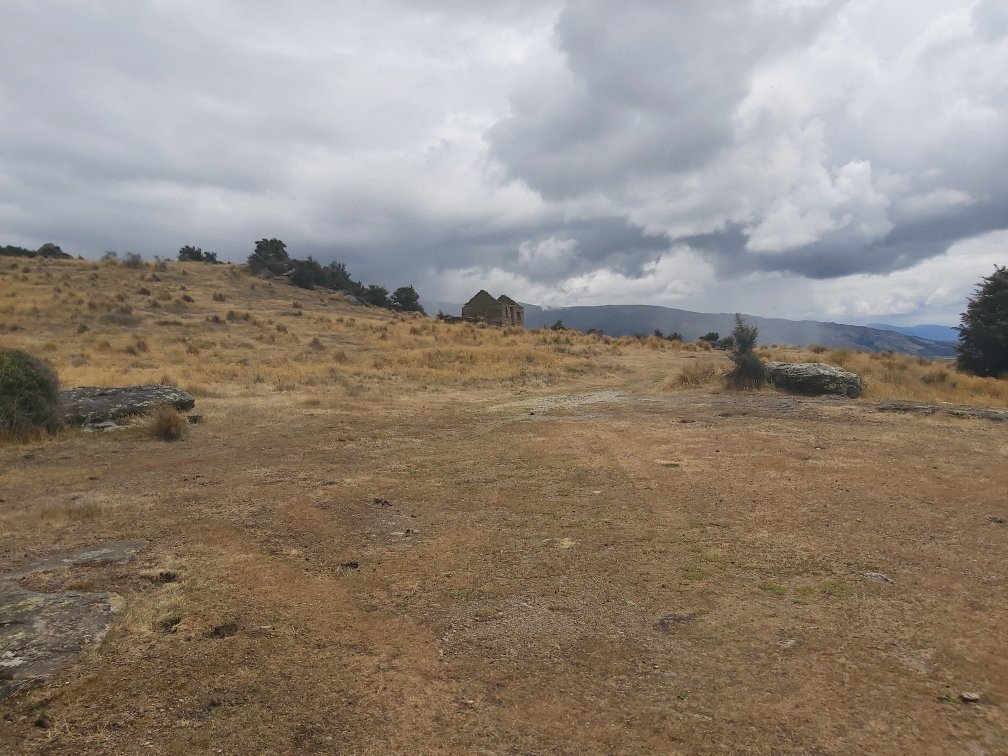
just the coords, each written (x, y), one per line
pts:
(814, 378)
(91, 404)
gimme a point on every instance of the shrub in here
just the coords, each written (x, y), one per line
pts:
(28, 394)
(377, 296)
(306, 274)
(749, 370)
(189, 253)
(133, 260)
(167, 423)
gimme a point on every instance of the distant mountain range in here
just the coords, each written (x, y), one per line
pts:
(933, 332)
(626, 320)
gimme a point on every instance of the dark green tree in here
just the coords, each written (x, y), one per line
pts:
(983, 329)
(269, 255)
(675, 336)
(406, 298)
(337, 277)
(558, 326)
(659, 333)
(712, 337)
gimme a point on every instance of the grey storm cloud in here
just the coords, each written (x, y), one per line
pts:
(648, 88)
(675, 153)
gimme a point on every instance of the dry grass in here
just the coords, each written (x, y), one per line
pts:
(214, 318)
(167, 423)
(704, 371)
(893, 377)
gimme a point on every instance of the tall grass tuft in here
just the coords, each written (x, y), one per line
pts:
(167, 423)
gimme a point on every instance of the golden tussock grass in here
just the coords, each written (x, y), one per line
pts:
(893, 377)
(226, 334)
(704, 371)
(167, 423)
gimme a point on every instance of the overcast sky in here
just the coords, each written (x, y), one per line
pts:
(803, 158)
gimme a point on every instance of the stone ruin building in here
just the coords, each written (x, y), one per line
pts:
(499, 312)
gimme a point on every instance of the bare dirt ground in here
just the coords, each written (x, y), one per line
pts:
(587, 563)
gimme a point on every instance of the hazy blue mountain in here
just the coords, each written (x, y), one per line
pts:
(933, 332)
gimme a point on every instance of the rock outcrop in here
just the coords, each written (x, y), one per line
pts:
(91, 404)
(814, 379)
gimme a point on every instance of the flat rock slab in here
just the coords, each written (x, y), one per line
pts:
(814, 379)
(931, 409)
(95, 404)
(108, 552)
(40, 633)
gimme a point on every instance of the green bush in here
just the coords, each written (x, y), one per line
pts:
(28, 394)
(749, 370)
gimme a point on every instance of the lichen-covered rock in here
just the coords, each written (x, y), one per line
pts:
(814, 378)
(44, 632)
(91, 404)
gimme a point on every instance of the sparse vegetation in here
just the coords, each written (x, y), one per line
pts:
(28, 395)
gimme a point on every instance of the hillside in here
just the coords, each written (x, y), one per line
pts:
(388, 534)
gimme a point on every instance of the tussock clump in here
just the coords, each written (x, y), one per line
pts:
(703, 372)
(167, 423)
(28, 395)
